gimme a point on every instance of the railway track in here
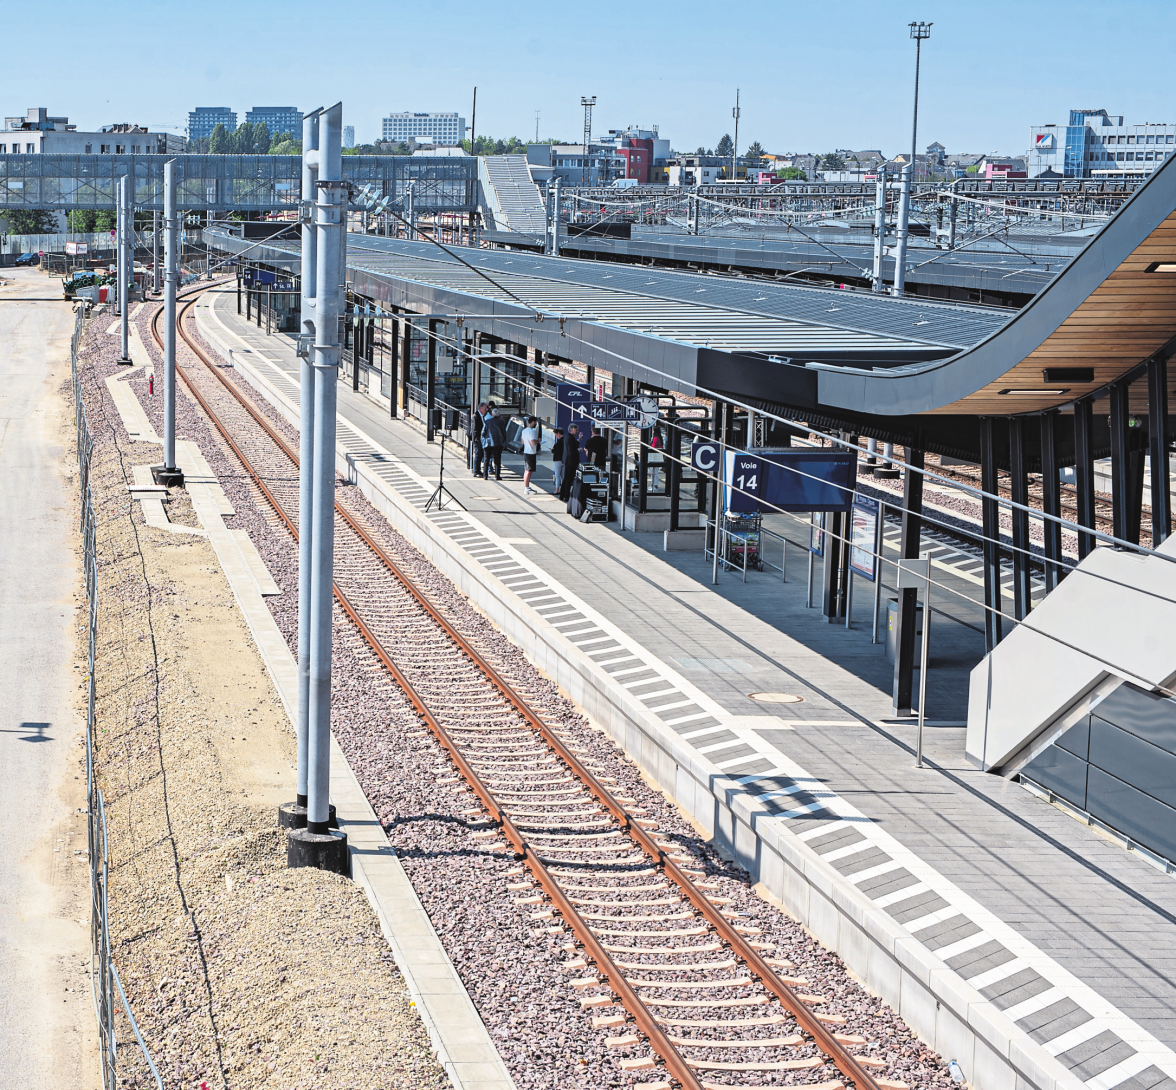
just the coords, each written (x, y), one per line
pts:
(662, 962)
(1103, 520)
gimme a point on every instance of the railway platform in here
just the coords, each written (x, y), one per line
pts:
(1005, 931)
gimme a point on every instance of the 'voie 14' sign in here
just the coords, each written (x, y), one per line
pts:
(786, 479)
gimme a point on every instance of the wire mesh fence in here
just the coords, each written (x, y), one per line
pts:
(110, 1000)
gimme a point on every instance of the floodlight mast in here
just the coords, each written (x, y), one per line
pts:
(587, 102)
(919, 33)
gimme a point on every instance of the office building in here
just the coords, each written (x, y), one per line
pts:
(203, 119)
(39, 134)
(349, 136)
(278, 119)
(1096, 144)
(440, 128)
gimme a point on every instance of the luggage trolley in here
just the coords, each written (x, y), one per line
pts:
(741, 539)
(592, 486)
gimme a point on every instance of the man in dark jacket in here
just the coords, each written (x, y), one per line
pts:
(557, 449)
(571, 461)
(493, 439)
(597, 448)
(477, 426)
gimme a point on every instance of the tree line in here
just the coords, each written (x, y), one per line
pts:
(249, 138)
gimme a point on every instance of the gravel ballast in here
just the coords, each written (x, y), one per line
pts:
(241, 973)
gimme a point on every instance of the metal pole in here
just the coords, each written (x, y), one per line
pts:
(171, 279)
(306, 400)
(409, 211)
(624, 471)
(735, 143)
(549, 247)
(721, 410)
(878, 569)
(155, 252)
(904, 214)
(877, 281)
(923, 668)
(555, 216)
(124, 270)
(331, 237)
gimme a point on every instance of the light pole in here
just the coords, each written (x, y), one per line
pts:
(919, 32)
(587, 102)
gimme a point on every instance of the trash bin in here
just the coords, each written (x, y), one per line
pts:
(892, 630)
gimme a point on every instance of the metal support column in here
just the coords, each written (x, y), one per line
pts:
(330, 235)
(1051, 499)
(1120, 461)
(877, 279)
(833, 593)
(908, 598)
(900, 249)
(1157, 434)
(322, 306)
(405, 364)
(1084, 472)
(431, 382)
(674, 469)
(394, 364)
(1022, 588)
(556, 213)
(125, 266)
(168, 473)
(990, 531)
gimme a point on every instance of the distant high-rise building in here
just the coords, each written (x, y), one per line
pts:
(1096, 144)
(441, 128)
(349, 136)
(278, 119)
(203, 119)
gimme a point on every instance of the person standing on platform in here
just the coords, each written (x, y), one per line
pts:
(571, 462)
(493, 438)
(530, 441)
(557, 449)
(477, 432)
(597, 448)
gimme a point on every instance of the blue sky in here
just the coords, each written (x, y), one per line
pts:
(812, 76)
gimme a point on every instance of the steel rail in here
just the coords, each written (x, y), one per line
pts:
(824, 1040)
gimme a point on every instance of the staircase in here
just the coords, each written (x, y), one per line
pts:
(510, 199)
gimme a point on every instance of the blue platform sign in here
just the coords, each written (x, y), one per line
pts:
(572, 400)
(790, 479)
(743, 475)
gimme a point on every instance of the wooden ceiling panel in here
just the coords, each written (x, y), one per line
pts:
(1127, 318)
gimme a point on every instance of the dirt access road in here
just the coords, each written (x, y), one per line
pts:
(47, 1027)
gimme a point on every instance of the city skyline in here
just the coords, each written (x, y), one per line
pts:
(841, 77)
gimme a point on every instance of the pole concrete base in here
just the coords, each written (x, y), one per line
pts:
(323, 851)
(292, 815)
(172, 478)
(888, 473)
(124, 362)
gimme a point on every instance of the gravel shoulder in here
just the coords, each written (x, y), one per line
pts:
(240, 972)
